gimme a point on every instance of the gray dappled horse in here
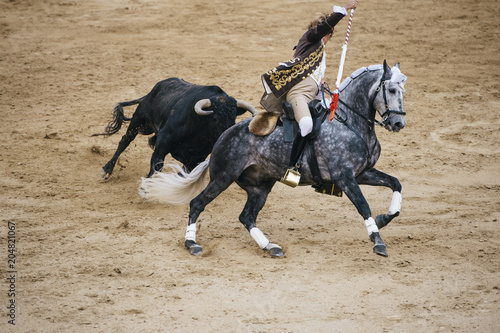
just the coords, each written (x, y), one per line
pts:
(346, 150)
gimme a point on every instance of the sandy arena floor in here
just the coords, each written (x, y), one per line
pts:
(92, 256)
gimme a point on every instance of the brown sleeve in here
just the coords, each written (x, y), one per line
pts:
(324, 28)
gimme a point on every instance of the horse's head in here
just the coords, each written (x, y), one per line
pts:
(388, 99)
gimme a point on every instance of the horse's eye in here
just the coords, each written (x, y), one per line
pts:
(392, 91)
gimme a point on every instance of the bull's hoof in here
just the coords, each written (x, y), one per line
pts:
(105, 174)
(379, 247)
(194, 249)
(274, 250)
(383, 220)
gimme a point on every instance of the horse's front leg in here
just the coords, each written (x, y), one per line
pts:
(351, 188)
(377, 178)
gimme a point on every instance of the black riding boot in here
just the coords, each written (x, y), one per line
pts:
(297, 149)
(292, 175)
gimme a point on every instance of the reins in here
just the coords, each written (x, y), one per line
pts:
(344, 121)
(385, 116)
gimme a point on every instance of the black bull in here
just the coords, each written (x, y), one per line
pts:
(186, 120)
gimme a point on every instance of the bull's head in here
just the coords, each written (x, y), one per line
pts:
(205, 103)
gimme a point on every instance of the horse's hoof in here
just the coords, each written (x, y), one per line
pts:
(274, 250)
(194, 249)
(380, 250)
(383, 220)
(379, 247)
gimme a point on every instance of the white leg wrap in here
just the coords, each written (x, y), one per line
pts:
(259, 237)
(305, 125)
(395, 203)
(371, 226)
(191, 232)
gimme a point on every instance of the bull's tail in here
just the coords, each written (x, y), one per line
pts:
(176, 187)
(118, 118)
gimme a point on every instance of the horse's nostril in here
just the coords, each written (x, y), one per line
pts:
(397, 126)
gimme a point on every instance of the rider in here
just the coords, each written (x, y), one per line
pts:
(298, 80)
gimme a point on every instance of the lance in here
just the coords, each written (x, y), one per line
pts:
(335, 96)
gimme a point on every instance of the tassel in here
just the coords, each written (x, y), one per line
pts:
(333, 105)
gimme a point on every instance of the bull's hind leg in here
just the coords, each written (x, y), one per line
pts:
(256, 198)
(197, 205)
(132, 131)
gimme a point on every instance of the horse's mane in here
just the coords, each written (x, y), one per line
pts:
(359, 72)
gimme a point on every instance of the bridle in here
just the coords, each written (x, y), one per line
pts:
(385, 116)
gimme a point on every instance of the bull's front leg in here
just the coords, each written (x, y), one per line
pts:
(374, 177)
(351, 189)
(161, 149)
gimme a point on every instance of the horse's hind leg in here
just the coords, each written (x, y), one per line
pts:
(256, 198)
(197, 205)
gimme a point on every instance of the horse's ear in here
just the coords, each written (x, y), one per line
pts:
(387, 70)
(397, 66)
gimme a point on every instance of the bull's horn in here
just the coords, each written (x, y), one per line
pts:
(202, 103)
(246, 106)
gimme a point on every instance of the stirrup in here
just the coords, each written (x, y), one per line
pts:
(291, 177)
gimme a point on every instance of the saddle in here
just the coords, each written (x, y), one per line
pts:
(265, 122)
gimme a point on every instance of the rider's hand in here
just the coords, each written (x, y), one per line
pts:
(352, 4)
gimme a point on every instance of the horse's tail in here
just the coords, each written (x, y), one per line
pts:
(176, 187)
(118, 117)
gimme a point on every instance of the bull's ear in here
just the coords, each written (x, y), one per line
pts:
(240, 111)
